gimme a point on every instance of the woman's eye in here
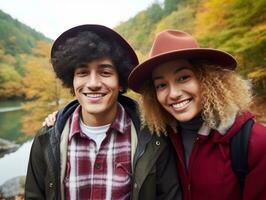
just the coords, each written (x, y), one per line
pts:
(160, 86)
(183, 78)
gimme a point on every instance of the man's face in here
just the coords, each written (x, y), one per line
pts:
(96, 86)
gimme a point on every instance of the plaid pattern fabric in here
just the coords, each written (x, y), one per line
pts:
(105, 174)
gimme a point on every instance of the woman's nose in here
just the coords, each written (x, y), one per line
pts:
(175, 92)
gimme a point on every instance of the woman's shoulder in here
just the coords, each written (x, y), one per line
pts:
(258, 134)
(257, 143)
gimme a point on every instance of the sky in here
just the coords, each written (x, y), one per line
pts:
(52, 17)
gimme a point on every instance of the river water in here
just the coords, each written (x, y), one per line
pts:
(13, 164)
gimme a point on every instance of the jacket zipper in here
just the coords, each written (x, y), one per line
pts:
(191, 159)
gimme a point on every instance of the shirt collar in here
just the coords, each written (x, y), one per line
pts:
(121, 122)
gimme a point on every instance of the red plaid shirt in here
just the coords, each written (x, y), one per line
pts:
(105, 174)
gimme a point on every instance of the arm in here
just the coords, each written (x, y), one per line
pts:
(35, 183)
(255, 183)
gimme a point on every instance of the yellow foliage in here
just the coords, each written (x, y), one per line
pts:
(141, 56)
(211, 16)
(6, 58)
(258, 74)
(181, 19)
(42, 49)
(42, 88)
(133, 95)
(11, 82)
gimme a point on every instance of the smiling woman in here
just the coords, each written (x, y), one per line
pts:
(194, 96)
(177, 89)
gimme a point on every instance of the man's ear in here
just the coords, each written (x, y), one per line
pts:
(72, 91)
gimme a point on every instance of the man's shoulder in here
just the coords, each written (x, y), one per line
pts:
(45, 131)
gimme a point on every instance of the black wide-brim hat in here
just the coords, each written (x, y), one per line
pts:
(104, 32)
(173, 44)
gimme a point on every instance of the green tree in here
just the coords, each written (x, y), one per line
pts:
(170, 6)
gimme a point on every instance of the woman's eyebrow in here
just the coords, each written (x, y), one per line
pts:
(175, 72)
(180, 69)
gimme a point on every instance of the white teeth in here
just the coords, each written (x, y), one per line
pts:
(180, 105)
(94, 95)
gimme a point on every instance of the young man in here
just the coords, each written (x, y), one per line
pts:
(97, 148)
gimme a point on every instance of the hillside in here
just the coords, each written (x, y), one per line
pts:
(16, 41)
(16, 37)
(236, 26)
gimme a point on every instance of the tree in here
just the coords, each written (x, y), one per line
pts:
(11, 84)
(238, 27)
(170, 6)
(42, 88)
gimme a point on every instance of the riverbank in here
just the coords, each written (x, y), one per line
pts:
(10, 109)
(13, 189)
(7, 147)
(15, 164)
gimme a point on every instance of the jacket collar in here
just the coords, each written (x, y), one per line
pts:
(130, 106)
(221, 128)
(224, 135)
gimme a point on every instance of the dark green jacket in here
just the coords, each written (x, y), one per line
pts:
(154, 168)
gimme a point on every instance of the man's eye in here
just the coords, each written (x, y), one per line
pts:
(106, 73)
(81, 73)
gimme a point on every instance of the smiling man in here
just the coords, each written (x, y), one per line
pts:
(97, 148)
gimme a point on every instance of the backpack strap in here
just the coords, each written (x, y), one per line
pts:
(239, 152)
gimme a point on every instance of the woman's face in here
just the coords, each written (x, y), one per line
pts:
(178, 89)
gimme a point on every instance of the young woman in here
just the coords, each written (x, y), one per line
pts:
(194, 95)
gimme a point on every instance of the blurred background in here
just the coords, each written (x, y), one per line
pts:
(29, 90)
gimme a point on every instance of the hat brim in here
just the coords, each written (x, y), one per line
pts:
(103, 31)
(143, 71)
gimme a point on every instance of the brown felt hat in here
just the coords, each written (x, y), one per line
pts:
(173, 44)
(103, 31)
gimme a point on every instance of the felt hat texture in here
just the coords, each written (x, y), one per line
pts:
(174, 44)
(103, 31)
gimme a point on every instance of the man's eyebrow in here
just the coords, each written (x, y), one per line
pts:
(106, 65)
(175, 72)
(82, 66)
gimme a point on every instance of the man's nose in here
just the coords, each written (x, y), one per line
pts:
(93, 81)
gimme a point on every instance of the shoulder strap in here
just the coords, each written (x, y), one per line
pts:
(239, 152)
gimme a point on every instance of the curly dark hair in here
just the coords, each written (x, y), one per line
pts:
(84, 48)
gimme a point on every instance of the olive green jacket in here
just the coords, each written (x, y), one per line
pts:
(153, 161)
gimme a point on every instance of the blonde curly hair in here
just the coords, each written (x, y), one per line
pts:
(224, 93)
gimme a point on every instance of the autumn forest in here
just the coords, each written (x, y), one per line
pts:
(236, 26)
